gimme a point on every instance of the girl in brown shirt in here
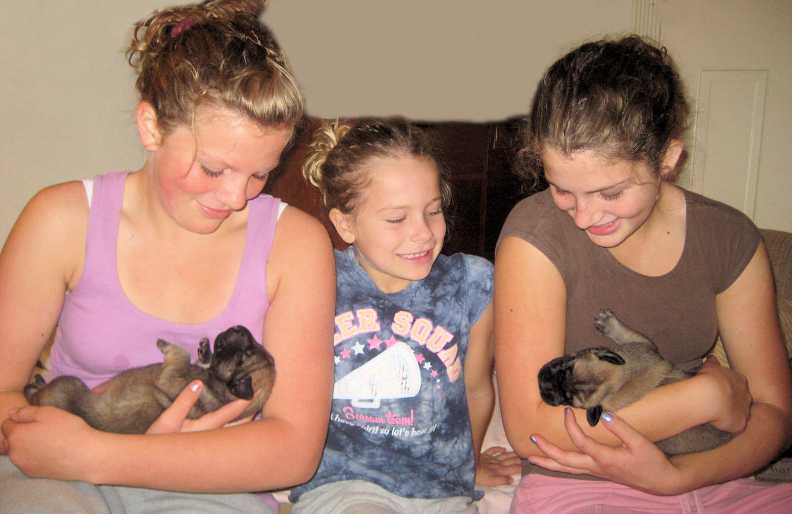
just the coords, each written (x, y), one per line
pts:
(613, 231)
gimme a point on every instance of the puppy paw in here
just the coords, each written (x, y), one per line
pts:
(605, 321)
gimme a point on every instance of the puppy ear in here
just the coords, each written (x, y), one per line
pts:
(610, 356)
(593, 415)
(242, 387)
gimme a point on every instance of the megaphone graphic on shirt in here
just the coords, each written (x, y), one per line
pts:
(390, 375)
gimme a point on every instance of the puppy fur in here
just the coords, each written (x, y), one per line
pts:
(600, 378)
(132, 400)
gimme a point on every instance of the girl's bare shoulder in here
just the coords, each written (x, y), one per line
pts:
(301, 244)
(53, 225)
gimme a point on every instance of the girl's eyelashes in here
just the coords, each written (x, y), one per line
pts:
(612, 195)
(211, 173)
(214, 174)
(395, 220)
(605, 195)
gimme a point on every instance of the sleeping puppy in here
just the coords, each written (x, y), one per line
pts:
(131, 401)
(602, 378)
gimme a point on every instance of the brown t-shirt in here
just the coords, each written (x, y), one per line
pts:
(675, 310)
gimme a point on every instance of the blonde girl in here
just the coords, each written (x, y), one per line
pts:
(413, 391)
(181, 248)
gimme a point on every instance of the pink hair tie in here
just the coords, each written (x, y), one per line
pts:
(182, 26)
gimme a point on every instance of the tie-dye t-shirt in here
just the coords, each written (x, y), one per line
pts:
(400, 417)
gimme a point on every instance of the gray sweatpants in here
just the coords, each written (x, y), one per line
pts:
(359, 497)
(22, 495)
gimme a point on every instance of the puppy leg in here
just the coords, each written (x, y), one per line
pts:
(176, 360)
(175, 372)
(65, 392)
(609, 325)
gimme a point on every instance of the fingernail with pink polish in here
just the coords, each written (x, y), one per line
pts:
(533, 439)
(607, 416)
(195, 387)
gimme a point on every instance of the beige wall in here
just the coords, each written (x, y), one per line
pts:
(66, 94)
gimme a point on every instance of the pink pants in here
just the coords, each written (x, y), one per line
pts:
(539, 494)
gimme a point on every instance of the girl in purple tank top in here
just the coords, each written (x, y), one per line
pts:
(613, 231)
(181, 249)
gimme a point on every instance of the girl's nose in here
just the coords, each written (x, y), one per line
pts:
(421, 230)
(583, 214)
(233, 192)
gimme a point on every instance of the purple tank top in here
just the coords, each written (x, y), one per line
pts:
(101, 333)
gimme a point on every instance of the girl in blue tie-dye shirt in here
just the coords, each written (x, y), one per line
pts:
(413, 355)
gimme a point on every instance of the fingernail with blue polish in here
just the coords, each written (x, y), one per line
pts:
(607, 416)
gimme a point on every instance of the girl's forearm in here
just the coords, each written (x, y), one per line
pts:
(248, 457)
(664, 412)
(766, 435)
(480, 405)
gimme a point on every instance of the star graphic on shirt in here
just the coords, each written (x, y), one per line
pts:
(374, 343)
(427, 365)
(390, 341)
(358, 348)
(434, 373)
(337, 359)
(419, 357)
(345, 353)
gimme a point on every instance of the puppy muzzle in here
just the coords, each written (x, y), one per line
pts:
(556, 381)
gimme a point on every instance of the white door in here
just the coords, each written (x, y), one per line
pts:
(735, 56)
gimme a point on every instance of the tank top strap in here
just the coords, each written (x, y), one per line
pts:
(251, 288)
(103, 222)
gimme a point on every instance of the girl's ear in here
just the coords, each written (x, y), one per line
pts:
(344, 225)
(148, 126)
(671, 158)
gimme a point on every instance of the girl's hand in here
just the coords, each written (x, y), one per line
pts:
(496, 465)
(637, 462)
(49, 442)
(733, 400)
(174, 419)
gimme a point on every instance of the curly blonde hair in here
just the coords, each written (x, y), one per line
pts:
(340, 151)
(216, 52)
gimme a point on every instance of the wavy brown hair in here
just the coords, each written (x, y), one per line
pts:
(621, 98)
(215, 52)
